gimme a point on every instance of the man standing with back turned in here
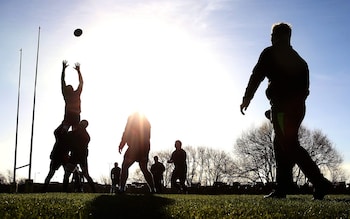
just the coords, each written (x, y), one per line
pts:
(288, 88)
(137, 136)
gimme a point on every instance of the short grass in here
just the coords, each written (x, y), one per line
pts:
(74, 205)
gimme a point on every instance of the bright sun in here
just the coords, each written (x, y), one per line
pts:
(151, 63)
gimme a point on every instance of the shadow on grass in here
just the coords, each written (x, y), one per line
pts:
(129, 206)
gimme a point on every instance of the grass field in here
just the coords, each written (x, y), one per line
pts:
(88, 205)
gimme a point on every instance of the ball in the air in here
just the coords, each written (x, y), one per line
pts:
(78, 32)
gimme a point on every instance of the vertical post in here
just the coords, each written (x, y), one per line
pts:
(31, 140)
(18, 98)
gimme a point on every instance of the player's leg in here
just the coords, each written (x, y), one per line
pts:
(68, 170)
(125, 173)
(147, 174)
(85, 172)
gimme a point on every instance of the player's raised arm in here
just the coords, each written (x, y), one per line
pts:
(63, 82)
(81, 82)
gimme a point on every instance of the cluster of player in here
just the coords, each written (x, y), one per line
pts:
(71, 137)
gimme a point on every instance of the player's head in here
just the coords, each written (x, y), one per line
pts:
(116, 164)
(83, 123)
(281, 33)
(155, 158)
(69, 89)
(178, 144)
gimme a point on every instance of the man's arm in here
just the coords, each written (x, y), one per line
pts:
(63, 82)
(171, 160)
(121, 144)
(255, 79)
(125, 135)
(81, 82)
(253, 85)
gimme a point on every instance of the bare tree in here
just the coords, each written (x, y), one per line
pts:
(192, 164)
(222, 166)
(338, 175)
(137, 176)
(106, 180)
(207, 165)
(3, 179)
(254, 150)
(195, 164)
(201, 155)
(10, 177)
(322, 151)
(255, 155)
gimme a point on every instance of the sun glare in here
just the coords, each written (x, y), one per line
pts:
(156, 68)
(148, 61)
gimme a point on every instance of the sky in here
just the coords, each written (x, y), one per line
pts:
(184, 63)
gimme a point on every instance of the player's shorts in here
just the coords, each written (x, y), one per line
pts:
(56, 163)
(138, 153)
(71, 118)
(79, 157)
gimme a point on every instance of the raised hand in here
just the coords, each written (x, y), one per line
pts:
(65, 64)
(77, 66)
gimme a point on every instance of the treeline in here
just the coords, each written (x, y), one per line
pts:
(251, 160)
